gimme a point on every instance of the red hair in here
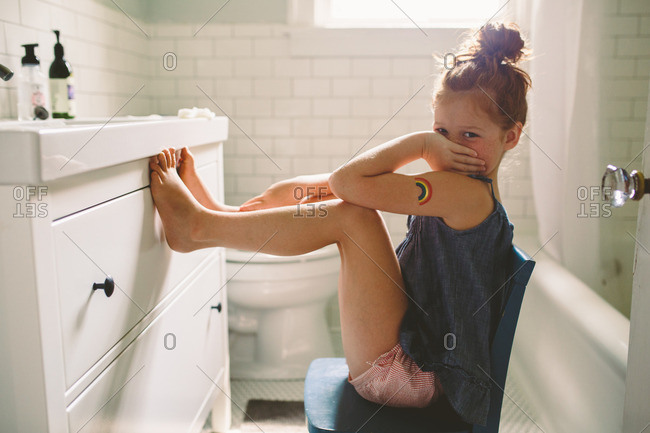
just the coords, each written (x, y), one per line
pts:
(487, 68)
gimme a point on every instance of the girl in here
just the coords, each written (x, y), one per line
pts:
(416, 323)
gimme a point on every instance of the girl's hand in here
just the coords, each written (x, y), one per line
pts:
(302, 189)
(445, 155)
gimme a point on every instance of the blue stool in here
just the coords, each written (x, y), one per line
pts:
(332, 405)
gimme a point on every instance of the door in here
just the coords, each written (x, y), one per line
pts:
(636, 414)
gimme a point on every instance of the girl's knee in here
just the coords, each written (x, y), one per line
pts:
(354, 213)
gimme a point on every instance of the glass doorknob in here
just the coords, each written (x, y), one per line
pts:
(618, 186)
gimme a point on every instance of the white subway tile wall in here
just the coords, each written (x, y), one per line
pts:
(109, 55)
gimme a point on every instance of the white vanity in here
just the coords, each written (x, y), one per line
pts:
(76, 209)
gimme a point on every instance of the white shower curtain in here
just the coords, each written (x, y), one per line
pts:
(564, 128)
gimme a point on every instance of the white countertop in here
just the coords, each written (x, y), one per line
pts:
(36, 152)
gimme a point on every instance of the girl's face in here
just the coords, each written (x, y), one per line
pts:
(461, 120)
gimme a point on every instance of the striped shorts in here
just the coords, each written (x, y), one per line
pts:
(394, 379)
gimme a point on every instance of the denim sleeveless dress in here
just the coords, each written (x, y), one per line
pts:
(453, 279)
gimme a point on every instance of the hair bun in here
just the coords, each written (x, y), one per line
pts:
(486, 67)
(499, 41)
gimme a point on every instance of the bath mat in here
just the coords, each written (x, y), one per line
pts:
(274, 417)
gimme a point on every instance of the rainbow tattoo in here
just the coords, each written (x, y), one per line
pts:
(425, 190)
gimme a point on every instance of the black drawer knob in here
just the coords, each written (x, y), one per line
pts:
(108, 287)
(217, 307)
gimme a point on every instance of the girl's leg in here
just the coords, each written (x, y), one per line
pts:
(191, 179)
(371, 291)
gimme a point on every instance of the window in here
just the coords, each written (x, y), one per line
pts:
(405, 13)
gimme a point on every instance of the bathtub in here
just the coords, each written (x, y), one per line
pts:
(570, 349)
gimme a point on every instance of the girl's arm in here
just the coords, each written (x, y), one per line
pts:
(369, 179)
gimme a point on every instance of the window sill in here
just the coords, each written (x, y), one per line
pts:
(373, 42)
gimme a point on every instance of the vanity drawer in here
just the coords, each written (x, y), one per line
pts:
(167, 379)
(122, 238)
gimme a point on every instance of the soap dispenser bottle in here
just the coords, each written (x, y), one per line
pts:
(61, 84)
(33, 92)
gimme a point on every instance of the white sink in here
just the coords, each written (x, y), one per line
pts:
(36, 152)
(20, 125)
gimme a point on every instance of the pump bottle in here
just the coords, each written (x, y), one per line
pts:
(61, 84)
(33, 92)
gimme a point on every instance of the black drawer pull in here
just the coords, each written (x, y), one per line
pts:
(108, 287)
(217, 307)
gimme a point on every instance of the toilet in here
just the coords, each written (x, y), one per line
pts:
(277, 311)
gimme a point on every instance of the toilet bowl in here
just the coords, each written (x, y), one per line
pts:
(277, 311)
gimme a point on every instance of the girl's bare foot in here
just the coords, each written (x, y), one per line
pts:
(178, 209)
(187, 173)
